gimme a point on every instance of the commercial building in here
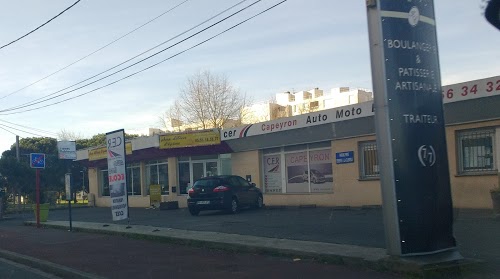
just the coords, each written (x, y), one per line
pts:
(326, 158)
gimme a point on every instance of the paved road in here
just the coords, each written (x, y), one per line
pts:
(476, 231)
(120, 257)
(12, 270)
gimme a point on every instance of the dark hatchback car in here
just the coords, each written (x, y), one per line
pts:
(225, 192)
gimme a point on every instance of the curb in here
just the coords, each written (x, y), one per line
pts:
(52, 268)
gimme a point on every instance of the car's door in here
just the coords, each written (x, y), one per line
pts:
(236, 188)
(246, 190)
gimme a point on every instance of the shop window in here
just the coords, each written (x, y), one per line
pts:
(476, 151)
(104, 183)
(157, 174)
(369, 167)
(184, 177)
(134, 180)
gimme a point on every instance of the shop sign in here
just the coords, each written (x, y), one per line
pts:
(211, 137)
(155, 195)
(67, 150)
(117, 174)
(410, 128)
(300, 121)
(344, 157)
(272, 174)
(101, 152)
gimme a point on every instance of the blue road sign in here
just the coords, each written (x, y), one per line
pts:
(344, 157)
(37, 160)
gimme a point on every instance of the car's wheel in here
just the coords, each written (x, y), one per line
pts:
(235, 206)
(259, 203)
(314, 180)
(194, 211)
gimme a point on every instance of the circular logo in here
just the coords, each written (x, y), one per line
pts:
(427, 155)
(414, 16)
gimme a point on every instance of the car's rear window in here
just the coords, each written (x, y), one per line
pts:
(208, 183)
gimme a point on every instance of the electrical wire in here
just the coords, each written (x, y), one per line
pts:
(94, 52)
(24, 131)
(128, 60)
(114, 73)
(7, 130)
(40, 25)
(153, 65)
(31, 128)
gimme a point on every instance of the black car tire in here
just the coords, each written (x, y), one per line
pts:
(194, 211)
(235, 206)
(259, 203)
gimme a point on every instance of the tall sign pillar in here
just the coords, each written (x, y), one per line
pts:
(411, 141)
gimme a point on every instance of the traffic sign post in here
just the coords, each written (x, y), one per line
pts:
(67, 184)
(37, 161)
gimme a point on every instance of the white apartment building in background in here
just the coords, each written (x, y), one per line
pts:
(295, 103)
(316, 99)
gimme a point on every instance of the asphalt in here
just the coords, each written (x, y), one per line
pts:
(349, 236)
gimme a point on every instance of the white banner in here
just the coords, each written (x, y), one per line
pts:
(471, 89)
(300, 121)
(67, 150)
(117, 174)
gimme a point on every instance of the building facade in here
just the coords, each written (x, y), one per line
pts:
(325, 158)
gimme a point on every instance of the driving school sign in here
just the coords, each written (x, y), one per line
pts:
(410, 127)
(117, 175)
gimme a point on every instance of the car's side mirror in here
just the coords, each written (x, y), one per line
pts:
(492, 13)
(253, 184)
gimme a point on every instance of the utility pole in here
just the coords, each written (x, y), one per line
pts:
(18, 160)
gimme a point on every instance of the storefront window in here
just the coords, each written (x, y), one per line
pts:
(369, 167)
(184, 177)
(272, 174)
(476, 152)
(303, 171)
(104, 182)
(134, 180)
(157, 174)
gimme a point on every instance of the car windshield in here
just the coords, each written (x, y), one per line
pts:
(208, 183)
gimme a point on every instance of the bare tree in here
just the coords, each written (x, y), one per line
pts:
(207, 101)
(69, 135)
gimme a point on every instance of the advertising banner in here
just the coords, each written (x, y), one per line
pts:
(272, 174)
(300, 121)
(67, 150)
(297, 172)
(320, 171)
(117, 174)
(155, 195)
(410, 128)
(190, 139)
(102, 152)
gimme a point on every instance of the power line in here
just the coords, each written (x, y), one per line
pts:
(7, 130)
(40, 25)
(153, 65)
(31, 128)
(24, 131)
(128, 60)
(94, 52)
(32, 103)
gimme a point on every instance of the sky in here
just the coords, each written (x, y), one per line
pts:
(299, 45)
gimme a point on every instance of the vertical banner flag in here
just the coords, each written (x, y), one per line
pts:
(117, 174)
(410, 127)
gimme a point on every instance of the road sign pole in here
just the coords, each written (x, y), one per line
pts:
(38, 198)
